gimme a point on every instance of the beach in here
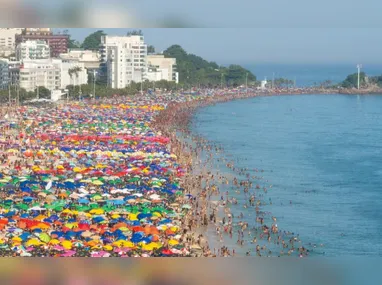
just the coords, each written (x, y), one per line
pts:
(125, 177)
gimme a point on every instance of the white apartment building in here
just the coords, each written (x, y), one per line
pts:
(90, 59)
(53, 74)
(30, 50)
(79, 78)
(125, 59)
(7, 40)
(162, 68)
(39, 72)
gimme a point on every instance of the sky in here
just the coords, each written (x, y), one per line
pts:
(265, 45)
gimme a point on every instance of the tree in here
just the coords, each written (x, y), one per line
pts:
(351, 80)
(93, 41)
(43, 92)
(72, 44)
(150, 49)
(194, 70)
(134, 33)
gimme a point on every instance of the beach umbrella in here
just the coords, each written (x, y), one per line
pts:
(83, 201)
(44, 237)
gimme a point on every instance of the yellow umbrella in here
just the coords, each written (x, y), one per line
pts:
(174, 229)
(123, 243)
(54, 242)
(133, 217)
(17, 239)
(150, 246)
(97, 182)
(173, 242)
(115, 216)
(66, 244)
(67, 211)
(108, 247)
(97, 211)
(77, 169)
(33, 242)
(71, 225)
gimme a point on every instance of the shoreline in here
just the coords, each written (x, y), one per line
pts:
(175, 122)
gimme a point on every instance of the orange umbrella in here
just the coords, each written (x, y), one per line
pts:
(120, 225)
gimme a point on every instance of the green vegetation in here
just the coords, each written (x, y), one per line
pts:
(24, 95)
(281, 82)
(194, 70)
(376, 80)
(93, 41)
(150, 49)
(72, 44)
(351, 80)
(134, 33)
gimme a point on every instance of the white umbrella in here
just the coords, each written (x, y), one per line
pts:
(49, 185)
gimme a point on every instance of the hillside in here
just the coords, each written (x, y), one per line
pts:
(194, 70)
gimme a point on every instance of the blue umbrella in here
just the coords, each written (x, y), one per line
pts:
(28, 199)
(83, 201)
(98, 219)
(24, 236)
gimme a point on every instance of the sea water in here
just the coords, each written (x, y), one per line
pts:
(322, 154)
(311, 74)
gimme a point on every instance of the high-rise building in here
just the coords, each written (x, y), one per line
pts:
(161, 68)
(58, 43)
(4, 74)
(7, 40)
(32, 50)
(125, 59)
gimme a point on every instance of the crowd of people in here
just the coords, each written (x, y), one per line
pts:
(123, 176)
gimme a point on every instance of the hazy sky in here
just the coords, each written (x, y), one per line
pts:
(273, 45)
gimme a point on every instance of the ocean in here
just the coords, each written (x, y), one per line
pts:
(320, 158)
(311, 74)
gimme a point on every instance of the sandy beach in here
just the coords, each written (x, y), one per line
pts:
(125, 177)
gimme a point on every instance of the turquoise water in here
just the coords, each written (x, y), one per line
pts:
(322, 156)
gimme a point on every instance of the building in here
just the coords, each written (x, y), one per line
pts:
(124, 59)
(40, 72)
(58, 43)
(13, 68)
(79, 78)
(90, 59)
(162, 67)
(4, 74)
(53, 74)
(7, 40)
(29, 50)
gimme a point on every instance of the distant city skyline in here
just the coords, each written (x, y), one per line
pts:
(251, 45)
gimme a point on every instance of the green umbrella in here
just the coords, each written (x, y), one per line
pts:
(93, 205)
(22, 206)
(44, 237)
(83, 208)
